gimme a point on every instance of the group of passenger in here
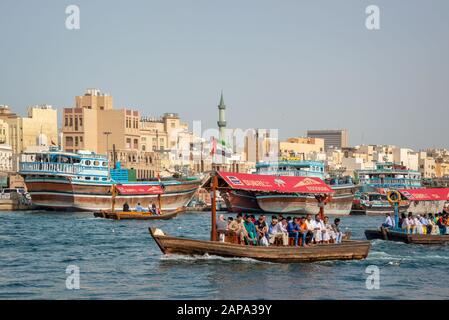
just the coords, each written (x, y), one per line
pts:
(434, 224)
(152, 208)
(297, 231)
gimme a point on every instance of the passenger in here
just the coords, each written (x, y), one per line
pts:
(153, 208)
(262, 230)
(319, 229)
(293, 229)
(424, 224)
(304, 232)
(253, 218)
(431, 225)
(389, 222)
(310, 227)
(222, 226)
(337, 232)
(126, 207)
(409, 223)
(238, 228)
(250, 230)
(442, 222)
(275, 231)
(327, 228)
(401, 220)
(139, 207)
(418, 224)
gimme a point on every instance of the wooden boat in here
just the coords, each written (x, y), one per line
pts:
(390, 235)
(132, 215)
(347, 250)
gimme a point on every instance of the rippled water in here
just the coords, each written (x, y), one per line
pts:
(118, 259)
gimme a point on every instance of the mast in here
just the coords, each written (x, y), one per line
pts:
(214, 185)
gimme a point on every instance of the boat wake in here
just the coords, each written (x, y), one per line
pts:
(206, 257)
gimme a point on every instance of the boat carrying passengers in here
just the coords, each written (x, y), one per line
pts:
(432, 224)
(296, 231)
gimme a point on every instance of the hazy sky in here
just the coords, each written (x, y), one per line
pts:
(291, 65)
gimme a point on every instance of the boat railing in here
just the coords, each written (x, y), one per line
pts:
(49, 167)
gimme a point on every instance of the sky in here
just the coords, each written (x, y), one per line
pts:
(291, 65)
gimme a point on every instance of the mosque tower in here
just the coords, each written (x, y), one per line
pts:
(222, 119)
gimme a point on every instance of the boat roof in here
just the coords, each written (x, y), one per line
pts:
(431, 194)
(270, 183)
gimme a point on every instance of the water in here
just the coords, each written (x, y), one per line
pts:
(119, 260)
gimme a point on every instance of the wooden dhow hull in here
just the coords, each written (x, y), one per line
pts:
(241, 201)
(348, 250)
(340, 204)
(64, 194)
(388, 235)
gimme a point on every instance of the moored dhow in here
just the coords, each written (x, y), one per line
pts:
(293, 203)
(82, 181)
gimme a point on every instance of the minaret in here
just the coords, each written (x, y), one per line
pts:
(221, 119)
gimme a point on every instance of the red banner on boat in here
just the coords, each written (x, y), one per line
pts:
(267, 183)
(143, 189)
(434, 194)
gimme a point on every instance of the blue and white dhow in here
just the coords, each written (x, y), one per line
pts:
(83, 181)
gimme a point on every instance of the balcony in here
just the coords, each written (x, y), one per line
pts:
(48, 168)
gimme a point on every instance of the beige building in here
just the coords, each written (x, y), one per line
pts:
(441, 169)
(4, 132)
(40, 127)
(300, 147)
(6, 158)
(94, 125)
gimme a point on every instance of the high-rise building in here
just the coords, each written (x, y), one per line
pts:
(332, 138)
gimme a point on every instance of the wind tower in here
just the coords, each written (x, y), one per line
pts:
(222, 119)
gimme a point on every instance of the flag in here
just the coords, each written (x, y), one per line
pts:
(214, 146)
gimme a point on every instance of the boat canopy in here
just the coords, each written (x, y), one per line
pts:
(270, 183)
(139, 189)
(433, 194)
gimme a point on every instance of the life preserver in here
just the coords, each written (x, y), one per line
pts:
(393, 196)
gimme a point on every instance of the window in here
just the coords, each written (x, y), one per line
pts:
(66, 123)
(71, 122)
(81, 121)
(143, 147)
(81, 139)
(96, 163)
(128, 143)
(136, 144)
(76, 141)
(76, 123)
(69, 142)
(173, 124)
(87, 162)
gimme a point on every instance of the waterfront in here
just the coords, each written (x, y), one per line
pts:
(119, 260)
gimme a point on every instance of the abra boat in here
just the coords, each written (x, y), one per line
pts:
(133, 215)
(396, 234)
(401, 236)
(347, 250)
(83, 182)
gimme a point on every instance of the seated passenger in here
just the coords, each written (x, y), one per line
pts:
(293, 229)
(418, 225)
(329, 234)
(318, 229)
(250, 230)
(337, 232)
(126, 207)
(238, 228)
(305, 233)
(222, 226)
(139, 207)
(389, 221)
(310, 227)
(262, 230)
(276, 231)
